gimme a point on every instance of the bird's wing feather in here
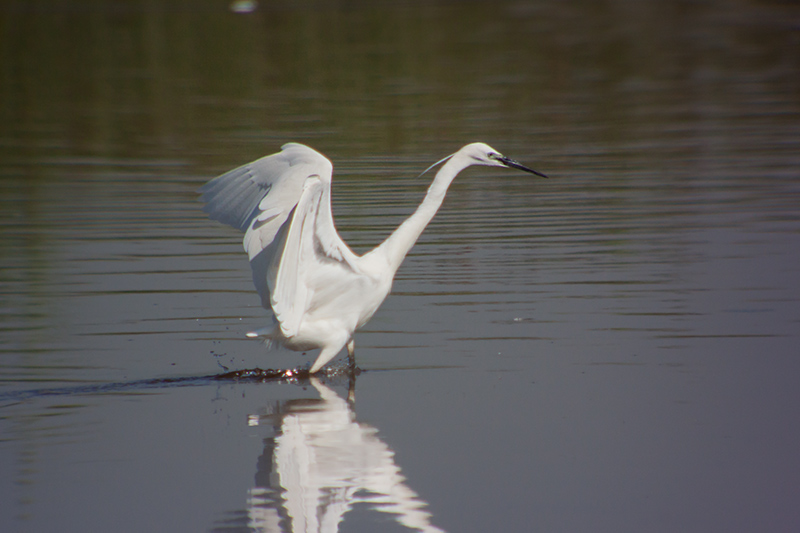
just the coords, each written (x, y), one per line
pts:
(258, 197)
(307, 249)
(282, 202)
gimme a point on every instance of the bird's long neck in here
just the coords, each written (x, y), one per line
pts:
(398, 244)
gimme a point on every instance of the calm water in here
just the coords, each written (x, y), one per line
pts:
(612, 349)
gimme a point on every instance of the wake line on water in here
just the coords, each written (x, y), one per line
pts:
(254, 375)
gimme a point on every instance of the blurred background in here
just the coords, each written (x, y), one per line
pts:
(612, 349)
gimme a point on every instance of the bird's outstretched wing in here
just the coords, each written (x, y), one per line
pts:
(306, 257)
(258, 197)
(282, 202)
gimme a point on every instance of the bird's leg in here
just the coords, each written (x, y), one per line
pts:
(351, 353)
(354, 370)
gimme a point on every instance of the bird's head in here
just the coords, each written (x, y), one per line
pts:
(483, 154)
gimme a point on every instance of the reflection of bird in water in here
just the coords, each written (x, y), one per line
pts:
(318, 290)
(323, 462)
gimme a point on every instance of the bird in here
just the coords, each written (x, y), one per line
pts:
(318, 291)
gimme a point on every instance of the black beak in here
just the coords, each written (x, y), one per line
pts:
(510, 163)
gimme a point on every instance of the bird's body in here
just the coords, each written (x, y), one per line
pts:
(317, 289)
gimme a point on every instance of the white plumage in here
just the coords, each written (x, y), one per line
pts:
(317, 289)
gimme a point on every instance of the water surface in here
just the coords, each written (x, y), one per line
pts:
(611, 349)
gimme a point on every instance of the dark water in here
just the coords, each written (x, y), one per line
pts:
(612, 349)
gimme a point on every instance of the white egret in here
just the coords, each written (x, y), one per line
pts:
(318, 290)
